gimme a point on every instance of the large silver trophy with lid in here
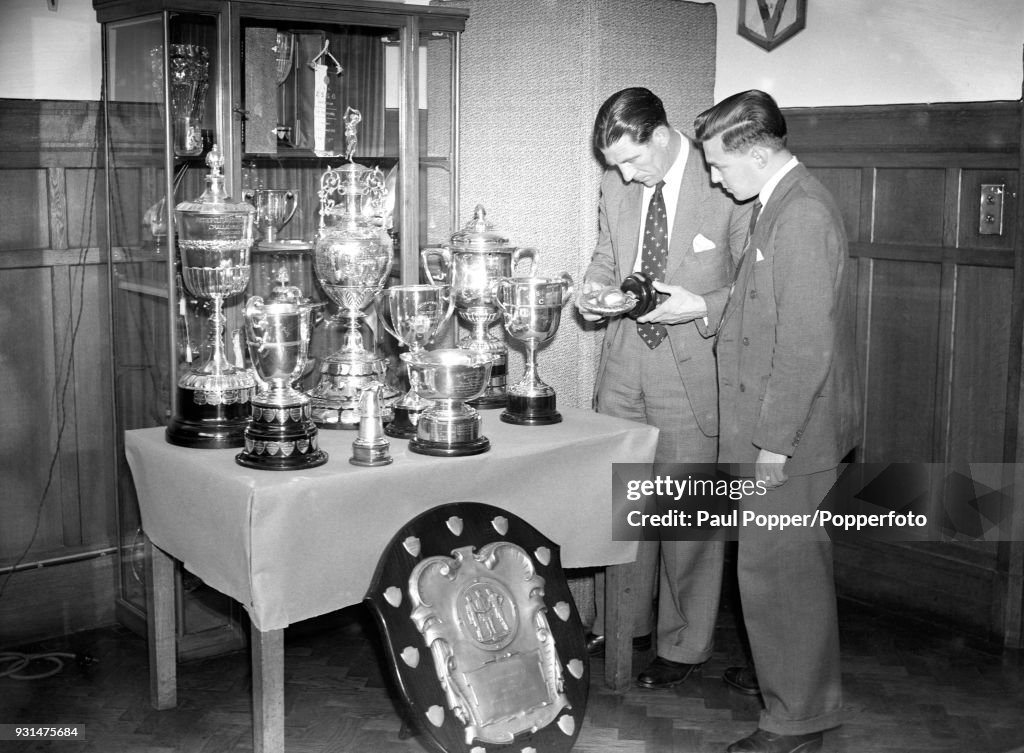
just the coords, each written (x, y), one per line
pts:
(215, 237)
(532, 309)
(471, 264)
(353, 257)
(281, 435)
(413, 314)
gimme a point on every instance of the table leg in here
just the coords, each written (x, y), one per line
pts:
(268, 691)
(620, 605)
(160, 627)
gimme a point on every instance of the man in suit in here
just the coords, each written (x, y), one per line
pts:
(659, 214)
(789, 412)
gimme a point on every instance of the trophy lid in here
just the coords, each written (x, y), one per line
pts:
(478, 234)
(215, 200)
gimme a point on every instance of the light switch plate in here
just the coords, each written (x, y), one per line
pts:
(990, 214)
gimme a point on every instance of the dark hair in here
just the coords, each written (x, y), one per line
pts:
(743, 120)
(633, 112)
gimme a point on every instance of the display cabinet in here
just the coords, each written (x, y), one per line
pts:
(274, 84)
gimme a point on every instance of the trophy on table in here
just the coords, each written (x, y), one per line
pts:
(532, 310)
(476, 258)
(413, 314)
(281, 435)
(352, 259)
(215, 237)
(449, 377)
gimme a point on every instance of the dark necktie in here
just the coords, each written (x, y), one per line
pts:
(653, 259)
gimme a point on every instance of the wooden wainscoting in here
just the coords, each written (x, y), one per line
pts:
(938, 330)
(56, 448)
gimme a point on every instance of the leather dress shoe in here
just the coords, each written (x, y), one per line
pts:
(742, 679)
(763, 741)
(595, 643)
(663, 673)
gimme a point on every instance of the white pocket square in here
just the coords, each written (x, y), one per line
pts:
(759, 256)
(702, 243)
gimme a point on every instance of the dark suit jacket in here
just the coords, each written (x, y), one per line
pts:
(702, 210)
(787, 372)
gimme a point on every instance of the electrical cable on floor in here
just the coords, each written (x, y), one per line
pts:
(19, 661)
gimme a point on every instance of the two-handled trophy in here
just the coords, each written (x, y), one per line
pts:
(275, 208)
(449, 377)
(215, 237)
(281, 435)
(532, 310)
(414, 315)
(353, 257)
(475, 259)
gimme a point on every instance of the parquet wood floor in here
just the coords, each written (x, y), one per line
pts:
(907, 690)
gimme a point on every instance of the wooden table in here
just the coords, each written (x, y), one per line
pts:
(294, 545)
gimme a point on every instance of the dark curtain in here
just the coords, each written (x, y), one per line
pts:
(361, 53)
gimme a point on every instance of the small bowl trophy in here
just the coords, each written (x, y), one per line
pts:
(215, 237)
(352, 259)
(275, 208)
(449, 377)
(532, 309)
(476, 258)
(413, 314)
(281, 435)
(634, 297)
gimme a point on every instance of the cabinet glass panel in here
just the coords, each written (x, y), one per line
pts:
(437, 133)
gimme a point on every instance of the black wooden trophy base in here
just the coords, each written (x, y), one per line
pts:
(534, 410)
(208, 425)
(281, 439)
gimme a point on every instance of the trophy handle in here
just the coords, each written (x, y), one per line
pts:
(291, 197)
(443, 256)
(525, 253)
(498, 291)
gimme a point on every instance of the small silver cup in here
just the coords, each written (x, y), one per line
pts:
(449, 377)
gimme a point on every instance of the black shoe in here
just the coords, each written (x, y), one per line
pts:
(663, 673)
(768, 742)
(742, 679)
(595, 643)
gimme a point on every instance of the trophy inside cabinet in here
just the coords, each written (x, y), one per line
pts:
(285, 90)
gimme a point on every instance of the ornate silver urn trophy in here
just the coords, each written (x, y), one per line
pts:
(353, 257)
(414, 315)
(281, 435)
(215, 237)
(532, 310)
(449, 377)
(475, 259)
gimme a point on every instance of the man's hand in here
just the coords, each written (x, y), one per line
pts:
(681, 306)
(588, 287)
(770, 468)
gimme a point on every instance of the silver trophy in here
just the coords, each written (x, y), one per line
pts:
(275, 208)
(215, 237)
(413, 314)
(449, 377)
(476, 258)
(281, 435)
(532, 310)
(352, 259)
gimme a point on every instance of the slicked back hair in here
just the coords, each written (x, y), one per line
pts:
(633, 112)
(750, 118)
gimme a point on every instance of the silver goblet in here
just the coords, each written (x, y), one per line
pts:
(275, 208)
(532, 310)
(449, 377)
(413, 314)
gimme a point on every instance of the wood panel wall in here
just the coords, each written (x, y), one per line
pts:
(57, 475)
(938, 332)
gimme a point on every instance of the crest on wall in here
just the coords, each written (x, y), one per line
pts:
(769, 23)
